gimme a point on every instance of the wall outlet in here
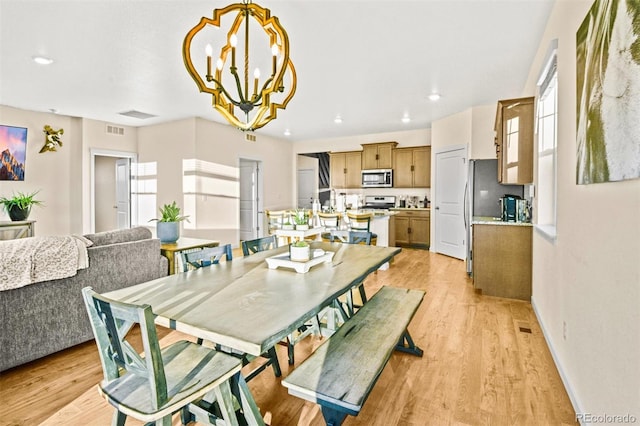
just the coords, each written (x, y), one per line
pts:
(564, 330)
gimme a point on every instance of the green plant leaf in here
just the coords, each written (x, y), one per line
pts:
(21, 200)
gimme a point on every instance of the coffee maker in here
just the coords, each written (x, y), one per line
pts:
(509, 207)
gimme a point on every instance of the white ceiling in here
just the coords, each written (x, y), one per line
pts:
(368, 61)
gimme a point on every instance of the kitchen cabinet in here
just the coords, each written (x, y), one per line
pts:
(378, 155)
(412, 167)
(413, 228)
(514, 140)
(502, 260)
(345, 169)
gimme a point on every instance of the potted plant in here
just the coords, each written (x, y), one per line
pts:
(301, 219)
(168, 227)
(19, 206)
(287, 224)
(299, 251)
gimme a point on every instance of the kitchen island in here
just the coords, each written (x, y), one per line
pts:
(502, 257)
(383, 224)
(413, 227)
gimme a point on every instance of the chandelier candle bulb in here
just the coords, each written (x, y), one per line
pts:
(274, 51)
(233, 40)
(209, 51)
(256, 76)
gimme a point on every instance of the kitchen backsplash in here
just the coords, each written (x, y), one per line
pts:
(397, 192)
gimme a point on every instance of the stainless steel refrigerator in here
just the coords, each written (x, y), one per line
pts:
(482, 197)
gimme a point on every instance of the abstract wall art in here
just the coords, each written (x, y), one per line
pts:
(608, 92)
(13, 152)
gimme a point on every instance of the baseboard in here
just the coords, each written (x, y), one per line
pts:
(577, 407)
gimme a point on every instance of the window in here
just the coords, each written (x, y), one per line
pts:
(547, 119)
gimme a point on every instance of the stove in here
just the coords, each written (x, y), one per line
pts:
(379, 202)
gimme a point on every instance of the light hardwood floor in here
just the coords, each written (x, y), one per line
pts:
(480, 366)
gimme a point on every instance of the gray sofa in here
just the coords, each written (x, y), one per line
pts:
(42, 318)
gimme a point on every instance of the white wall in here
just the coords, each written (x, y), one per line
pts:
(589, 278)
(63, 177)
(208, 189)
(50, 173)
(354, 143)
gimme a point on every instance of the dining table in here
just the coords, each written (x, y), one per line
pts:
(244, 305)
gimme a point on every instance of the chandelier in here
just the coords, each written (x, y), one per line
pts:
(246, 106)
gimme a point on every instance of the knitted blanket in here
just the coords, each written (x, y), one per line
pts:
(31, 260)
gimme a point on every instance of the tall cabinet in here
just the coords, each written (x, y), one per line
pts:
(514, 140)
(345, 169)
(412, 167)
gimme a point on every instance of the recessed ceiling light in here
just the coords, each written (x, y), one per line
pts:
(338, 119)
(434, 96)
(42, 60)
(287, 132)
(406, 118)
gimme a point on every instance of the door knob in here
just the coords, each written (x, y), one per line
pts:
(437, 208)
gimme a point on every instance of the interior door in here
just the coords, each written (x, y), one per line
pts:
(123, 193)
(451, 171)
(307, 188)
(249, 199)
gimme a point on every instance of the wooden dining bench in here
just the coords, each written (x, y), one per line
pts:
(340, 374)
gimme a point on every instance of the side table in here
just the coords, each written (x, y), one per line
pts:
(171, 250)
(19, 229)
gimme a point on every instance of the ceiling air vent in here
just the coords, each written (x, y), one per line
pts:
(137, 114)
(115, 130)
(250, 137)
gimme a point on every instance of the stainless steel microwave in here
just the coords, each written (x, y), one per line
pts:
(378, 178)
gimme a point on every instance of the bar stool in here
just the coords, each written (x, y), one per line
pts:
(362, 222)
(329, 221)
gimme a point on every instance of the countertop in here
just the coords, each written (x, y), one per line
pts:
(377, 214)
(488, 220)
(411, 208)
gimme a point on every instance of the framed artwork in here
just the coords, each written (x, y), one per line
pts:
(608, 92)
(13, 152)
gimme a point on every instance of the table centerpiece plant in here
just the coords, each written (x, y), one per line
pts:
(168, 226)
(19, 205)
(299, 251)
(301, 219)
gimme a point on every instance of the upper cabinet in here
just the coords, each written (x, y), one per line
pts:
(378, 155)
(412, 167)
(514, 140)
(345, 169)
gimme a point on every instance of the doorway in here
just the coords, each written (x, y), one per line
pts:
(111, 200)
(451, 169)
(251, 214)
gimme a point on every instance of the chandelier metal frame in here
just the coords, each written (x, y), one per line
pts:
(259, 102)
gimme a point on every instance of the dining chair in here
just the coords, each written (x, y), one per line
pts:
(164, 381)
(353, 237)
(211, 256)
(259, 244)
(275, 219)
(206, 256)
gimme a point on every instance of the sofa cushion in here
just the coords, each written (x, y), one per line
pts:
(119, 236)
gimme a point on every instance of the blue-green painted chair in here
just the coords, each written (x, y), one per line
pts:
(164, 381)
(206, 257)
(259, 244)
